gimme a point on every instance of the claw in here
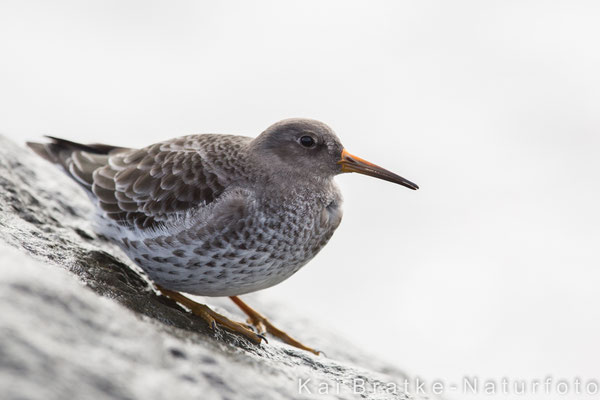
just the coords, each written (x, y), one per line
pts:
(213, 318)
(262, 336)
(262, 324)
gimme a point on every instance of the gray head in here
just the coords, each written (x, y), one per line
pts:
(310, 149)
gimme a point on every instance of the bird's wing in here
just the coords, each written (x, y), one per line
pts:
(141, 188)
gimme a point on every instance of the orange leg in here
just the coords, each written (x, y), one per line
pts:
(263, 325)
(211, 317)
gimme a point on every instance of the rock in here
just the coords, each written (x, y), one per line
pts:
(80, 321)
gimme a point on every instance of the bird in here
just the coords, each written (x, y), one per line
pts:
(216, 214)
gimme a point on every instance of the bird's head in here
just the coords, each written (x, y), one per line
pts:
(309, 148)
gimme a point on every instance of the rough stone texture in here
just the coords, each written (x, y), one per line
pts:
(120, 340)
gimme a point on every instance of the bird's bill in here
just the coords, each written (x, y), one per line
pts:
(351, 163)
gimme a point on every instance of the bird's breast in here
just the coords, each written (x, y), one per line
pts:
(258, 245)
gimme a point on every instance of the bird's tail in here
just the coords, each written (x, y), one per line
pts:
(78, 160)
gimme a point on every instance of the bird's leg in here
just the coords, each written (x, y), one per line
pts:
(211, 317)
(264, 325)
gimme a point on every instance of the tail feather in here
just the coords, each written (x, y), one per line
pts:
(78, 160)
(96, 148)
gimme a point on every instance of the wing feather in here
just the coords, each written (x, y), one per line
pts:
(142, 187)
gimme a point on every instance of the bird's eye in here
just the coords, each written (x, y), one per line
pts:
(307, 141)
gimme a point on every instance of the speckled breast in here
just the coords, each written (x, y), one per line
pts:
(247, 250)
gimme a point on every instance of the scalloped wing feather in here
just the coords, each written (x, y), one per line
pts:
(141, 187)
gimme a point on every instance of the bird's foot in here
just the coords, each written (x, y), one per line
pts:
(212, 317)
(262, 324)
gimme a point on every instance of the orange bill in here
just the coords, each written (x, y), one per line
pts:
(352, 163)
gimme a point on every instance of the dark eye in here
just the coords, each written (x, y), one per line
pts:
(307, 141)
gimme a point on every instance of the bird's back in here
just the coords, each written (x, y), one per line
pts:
(142, 188)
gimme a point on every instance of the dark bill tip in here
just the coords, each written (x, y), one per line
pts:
(351, 163)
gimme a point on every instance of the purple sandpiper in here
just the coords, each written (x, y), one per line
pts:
(219, 215)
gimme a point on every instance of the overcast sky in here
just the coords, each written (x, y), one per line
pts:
(491, 269)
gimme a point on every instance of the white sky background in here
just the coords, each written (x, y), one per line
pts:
(491, 269)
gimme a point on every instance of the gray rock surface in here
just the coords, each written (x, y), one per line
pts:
(80, 321)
